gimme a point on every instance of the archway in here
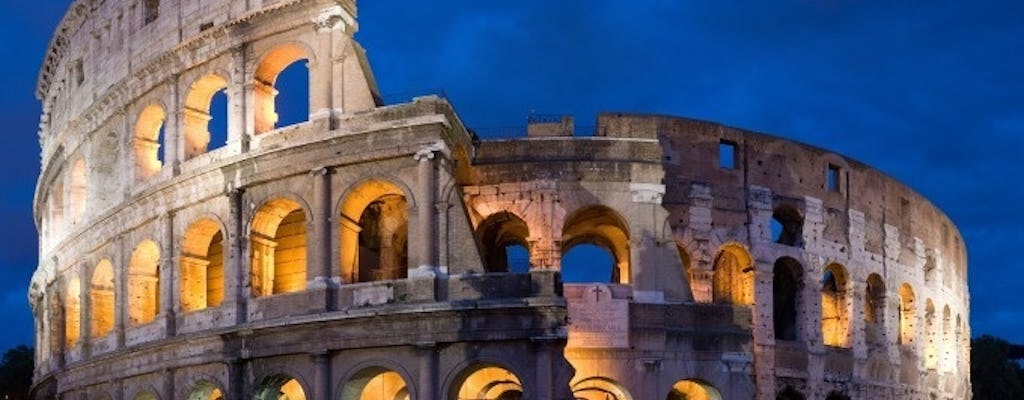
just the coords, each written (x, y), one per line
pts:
(148, 142)
(733, 276)
(599, 388)
(931, 332)
(202, 266)
(374, 233)
(205, 391)
(874, 310)
(73, 311)
(787, 226)
(503, 237)
(787, 287)
(835, 318)
(278, 243)
(693, 390)
(375, 384)
(599, 229)
(144, 283)
(487, 382)
(279, 387)
(78, 190)
(101, 295)
(265, 84)
(908, 315)
(198, 113)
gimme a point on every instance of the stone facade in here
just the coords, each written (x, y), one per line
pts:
(362, 254)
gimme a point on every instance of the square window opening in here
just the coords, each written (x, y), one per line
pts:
(833, 178)
(726, 155)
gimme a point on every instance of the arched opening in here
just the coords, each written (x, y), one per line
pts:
(57, 209)
(930, 266)
(789, 394)
(786, 289)
(271, 77)
(278, 243)
(198, 113)
(279, 387)
(589, 263)
(837, 396)
(835, 320)
(599, 388)
(487, 382)
(202, 266)
(908, 316)
(375, 384)
(205, 391)
(502, 235)
(73, 312)
(693, 390)
(787, 226)
(733, 276)
(101, 294)
(931, 356)
(594, 231)
(77, 194)
(144, 283)
(946, 342)
(145, 396)
(874, 311)
(374, 233)
(148, 142)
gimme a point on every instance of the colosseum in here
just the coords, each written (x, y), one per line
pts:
(385, 251)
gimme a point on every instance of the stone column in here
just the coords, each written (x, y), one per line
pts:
(85, 310)
(236, 389)
(173, 146)
(120, 292)
(328, 25)
(322, 376)
(426, 386)
(234, 271)
(167, 274)
(652, 372)
(59, 323)
(238, 103)
(426, 221)
(168, 387)
(320, 265)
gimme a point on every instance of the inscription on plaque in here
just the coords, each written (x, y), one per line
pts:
(597, 320)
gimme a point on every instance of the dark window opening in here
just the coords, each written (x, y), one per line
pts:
(292, 101)
(787, 226)
(218, 120)
(588, 263)
(786, 290)
(151, 10)
(78, 73)
(726, 155)
(833, 178)
(518, 258)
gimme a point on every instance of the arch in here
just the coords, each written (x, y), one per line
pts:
(265, 80)
(145, 395)
(73, 311)
(279, 387)
(787, 226)
(144, 283)
(497, 234)
(196, 113)
(946, 342)
(486, 381)
(789, 394)
(693, 390)
(874, 310)
(56, 209)
(77, 191)
(787, 285)
(376, 383)
(374, 232)
(835, 316)
(278, 246)
(908, 315)
(205, 390)
(101, 297)
(599, 388)
(931, 355)
(148, 141)
(202, 266)
(603, 227)
(733, 275)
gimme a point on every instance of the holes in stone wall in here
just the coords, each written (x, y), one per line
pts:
(786, 300)
(931, 354)
(874, 311)
(787, 226)
(503, 237)
(281, 74)
(278, 245)
(833, 178)
(908, 316)
(727, 154)
(150, 11)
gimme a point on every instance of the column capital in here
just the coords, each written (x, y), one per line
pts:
(428, 152)
(321, 171)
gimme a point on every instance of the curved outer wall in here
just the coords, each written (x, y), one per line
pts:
(171, 268)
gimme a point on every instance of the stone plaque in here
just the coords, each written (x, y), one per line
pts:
(596, 320)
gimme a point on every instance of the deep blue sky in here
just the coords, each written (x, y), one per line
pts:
(929, 94)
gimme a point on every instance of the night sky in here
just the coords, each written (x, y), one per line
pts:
(931, 95)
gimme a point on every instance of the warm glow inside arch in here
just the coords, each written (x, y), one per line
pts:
(599, 388)
(205, 391)
(264, 85)
(908, 315)
(101, 294)
(148, 141)
(374, 233)
(835, 315)
(488, 382)
(497, 233)
(603, 227)
(77, 193)
(144, 283)
(73, 312)
(693, 390)
(280, 387)
(278, 246)
(376, 384)
(734, 275)
(202, 266)
(196, 113)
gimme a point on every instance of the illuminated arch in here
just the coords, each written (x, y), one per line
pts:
(497, 234)
(693, 390)
(602, 227)
(908, 316)
(101, 296)
(265, 81)
(279, 387)
(144, 283)
(278, 247)
(205, 390)
(73, 311)
(202, 266)
(835, 315)
(946, 342)
(787, 285)
(733, 276)
(374, 232)
(196, 114)
(77, 192)
(486, 381)
(145, 395)
(874, 310)
(375, 383)
(148, 141)
(931, 354)
(599, 388)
